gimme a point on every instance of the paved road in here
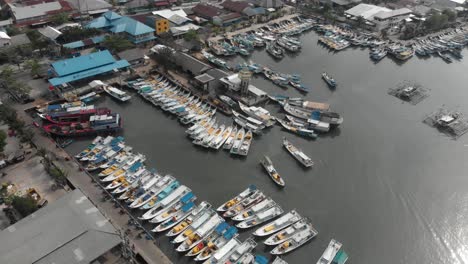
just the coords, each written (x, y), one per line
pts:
(146, 248)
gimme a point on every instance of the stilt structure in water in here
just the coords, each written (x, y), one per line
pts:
(410, 92)
(451, 123)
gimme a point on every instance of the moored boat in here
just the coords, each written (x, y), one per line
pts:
(279, 224)
(330, 252)
(298, 154)
(287, 233)
(294, 242)
(187, 215)
(116, 93)
(270, 169)
(329, 80)
(237, 199)
(261, 217)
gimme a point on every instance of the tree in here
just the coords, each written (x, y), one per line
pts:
(165, 57)
(24, 205)
(12, 31)
(451, 16)
(191, 35)
(436, 21)
(59, 19)
(34, 67)
(116, 43)
(3, 137)
(360, 20)
(59, 175)
(26, 135)
(71, 34)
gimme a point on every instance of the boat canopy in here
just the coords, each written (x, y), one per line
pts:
(116, 91)
(187, 207)
(221, 227)
(187, 197)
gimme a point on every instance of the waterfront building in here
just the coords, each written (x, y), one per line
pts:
(377, 18)
(84, 67)
(85, 8)
(85, 43)
(238, 86)
(70, 230)
(175, 22)
(131, 29)
(37, 14)
(134, 56)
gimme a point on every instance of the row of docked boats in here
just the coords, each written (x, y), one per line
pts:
(281, 79)
(286, 233)
(78, 119)
(197, 230)
(173, 99)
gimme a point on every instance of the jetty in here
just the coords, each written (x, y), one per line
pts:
(410, 92)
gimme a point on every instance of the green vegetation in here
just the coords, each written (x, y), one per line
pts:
(24, 205)
(116, 43)
(12, 84)
(3, 137)
(165, 58)
(38, 42)
(191, 35)
(9, 116)
(440, 20)
(34, 67)
(71, 34)
(59, 175)
(13, 31)
(59, 19)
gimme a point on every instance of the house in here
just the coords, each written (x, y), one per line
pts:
(276, 4)
(37, 14)
(136, 6)
(133, 56)
(5, 23)
(84, 67)
(89, 7)
(190, 64)
(238, 86)
(131, 29)
(235, 6)
(164, 20)
(70, 230)
(227, 19)
(50, 33)
(377, 18)
(5, 40)
(85, 43)
(17, 41)
(207, 11)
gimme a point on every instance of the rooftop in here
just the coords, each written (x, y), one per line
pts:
(38, 10)
(167, 13)
(183, 29)
(236, 6)
(366, 11)
(131, 54)
(4, 35)
(89, 5)
(393, 13)
(207, 11)
(77, 64)
(50, 32)
(20, 39)
(190, 63)
(116, 23)
(204, 78)
(69, 230)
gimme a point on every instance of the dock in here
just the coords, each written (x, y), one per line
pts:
(451, 123)
(410, 92)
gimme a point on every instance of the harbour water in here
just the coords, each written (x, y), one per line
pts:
(390, 188)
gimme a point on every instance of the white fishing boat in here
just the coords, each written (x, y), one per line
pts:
(258, 113)
(238, 141)
(287, 233)
(205, 249)
(131, 165)
(245, 248)
(270, 169)
(261, 217)
(249, 121)
(297, 153)
(194, 226)
(116, 93)
(248, 202)
(194, 238)
(185, 211)
(279, 224)
(153, 191)
(294, 242)
(254, 210)
(223, 252)
(230, 140)
(173, 208)
(237, 199)
(166, 201)
(124, 183)
(207, 141)
(140, 188)
(145, 177)
(221, 138)
(209, 239)
(245, 147)
(156, 200)
(330, 252)
(184, 221)
(279, 260)
(97, 141)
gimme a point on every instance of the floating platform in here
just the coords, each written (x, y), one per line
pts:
(410, 92)
(451, 123)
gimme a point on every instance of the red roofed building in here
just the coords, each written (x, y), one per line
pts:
(235, 6)
(207, 11)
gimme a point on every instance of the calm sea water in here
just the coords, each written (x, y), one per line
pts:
(390, 188)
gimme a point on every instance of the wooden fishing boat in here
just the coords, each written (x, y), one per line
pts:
(298, 154)
(270, 169)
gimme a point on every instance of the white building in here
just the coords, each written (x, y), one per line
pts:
(377, 17)
(5, 40)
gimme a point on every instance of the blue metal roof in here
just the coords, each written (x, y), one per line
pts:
(74, 45)
(88, 73)
(82, 63)
(117, 23)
